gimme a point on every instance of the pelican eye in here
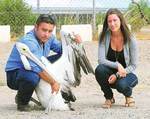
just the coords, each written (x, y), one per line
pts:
(24, 49)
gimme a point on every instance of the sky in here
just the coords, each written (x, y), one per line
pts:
(80, 3)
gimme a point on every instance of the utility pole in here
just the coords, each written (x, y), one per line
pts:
(38, 6)
(94, 19)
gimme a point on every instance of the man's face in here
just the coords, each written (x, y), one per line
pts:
(44, 31)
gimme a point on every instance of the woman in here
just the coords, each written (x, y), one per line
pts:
(117, 59)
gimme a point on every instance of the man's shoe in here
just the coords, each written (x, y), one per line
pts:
(25, 108)
(16, 99)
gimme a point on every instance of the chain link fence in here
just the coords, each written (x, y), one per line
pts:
(73, 12)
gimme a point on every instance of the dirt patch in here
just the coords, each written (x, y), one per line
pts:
(89, 96)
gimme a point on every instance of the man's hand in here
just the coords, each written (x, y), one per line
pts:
(49, 79)
(55, 87)
(77, 38)
(112, 79)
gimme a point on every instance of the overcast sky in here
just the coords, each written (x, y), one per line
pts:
(80, 3)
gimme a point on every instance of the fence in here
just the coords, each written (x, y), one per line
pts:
(69, 12)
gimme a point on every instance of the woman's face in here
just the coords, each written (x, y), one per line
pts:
(113, 22)
(44, 31)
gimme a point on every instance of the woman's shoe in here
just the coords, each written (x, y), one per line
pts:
(107, 104)
(129, 102)
(113, 100)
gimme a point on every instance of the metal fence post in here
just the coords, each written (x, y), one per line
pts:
(38, 6)
(94, 19)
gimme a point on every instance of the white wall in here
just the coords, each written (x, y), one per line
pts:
(84, 30)
(4, 33)
(28, 28)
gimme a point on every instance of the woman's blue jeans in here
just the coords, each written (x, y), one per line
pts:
(123, 85)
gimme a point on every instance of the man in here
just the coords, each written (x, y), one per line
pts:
(40, 41)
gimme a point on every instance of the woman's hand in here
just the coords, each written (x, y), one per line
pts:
(121, 70)
(112, 79)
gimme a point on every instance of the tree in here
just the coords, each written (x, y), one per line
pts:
(16, 13)
(138, 15)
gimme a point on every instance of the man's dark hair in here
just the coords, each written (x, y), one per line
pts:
(46, 18)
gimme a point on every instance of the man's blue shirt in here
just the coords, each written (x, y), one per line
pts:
(14, 61)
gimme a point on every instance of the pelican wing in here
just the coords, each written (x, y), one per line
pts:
(78, 58)
(82, 58)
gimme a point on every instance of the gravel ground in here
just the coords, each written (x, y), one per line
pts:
(89, 96)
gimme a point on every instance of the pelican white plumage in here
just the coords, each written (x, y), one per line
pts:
(61, 70)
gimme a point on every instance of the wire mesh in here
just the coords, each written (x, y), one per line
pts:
(72, 12)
